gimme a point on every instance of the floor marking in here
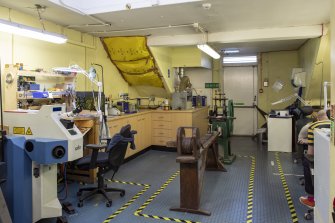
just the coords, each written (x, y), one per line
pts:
(139, 211)
(132, 200)
(290, 204)
(250, 188)
(289, 174)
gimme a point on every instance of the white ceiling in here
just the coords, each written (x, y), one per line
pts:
(224, 15)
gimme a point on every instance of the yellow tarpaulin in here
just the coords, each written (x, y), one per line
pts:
(134, 60)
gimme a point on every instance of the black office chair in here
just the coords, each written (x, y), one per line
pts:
(110, 159)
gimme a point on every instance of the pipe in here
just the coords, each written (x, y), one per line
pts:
(142, 29)
(76, 43)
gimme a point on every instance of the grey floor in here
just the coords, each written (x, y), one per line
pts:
(225, 194)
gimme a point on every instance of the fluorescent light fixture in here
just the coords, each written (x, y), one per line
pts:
(209, 50)
(231, 51)
(241, 59)
(90, 7)
(27, 31)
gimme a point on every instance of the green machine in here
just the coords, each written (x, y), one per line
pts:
(222, 119)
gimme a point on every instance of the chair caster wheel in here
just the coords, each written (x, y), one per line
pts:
(308, 216)
(80, 204)
(79, 193)
(122, 194)
(108, 204)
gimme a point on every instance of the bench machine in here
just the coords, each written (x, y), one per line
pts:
(195, 155)
(221, 119)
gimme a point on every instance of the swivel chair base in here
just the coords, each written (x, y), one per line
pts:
(95, 190)
(100, 189)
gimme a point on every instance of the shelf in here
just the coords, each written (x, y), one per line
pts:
(38, 98)
(27, 73)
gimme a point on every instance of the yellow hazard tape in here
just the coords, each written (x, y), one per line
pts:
(290, 204)
(139, 211)
(250, 188)
(132, 200)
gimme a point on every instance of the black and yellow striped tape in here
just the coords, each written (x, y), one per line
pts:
(139, 211)
(290, 204)
(132, 200)
(250, 188)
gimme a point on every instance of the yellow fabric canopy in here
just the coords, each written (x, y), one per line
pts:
(134, 60)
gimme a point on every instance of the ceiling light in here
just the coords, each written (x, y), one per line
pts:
(90, 7)
(231, 51)
(209, 50)
(27, 31)
(242, 59)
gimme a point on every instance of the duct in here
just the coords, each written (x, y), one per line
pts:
(134, 60)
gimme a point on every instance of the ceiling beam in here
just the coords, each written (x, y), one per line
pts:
(253, 35)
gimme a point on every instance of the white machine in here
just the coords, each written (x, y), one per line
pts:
(51, 140)
(45, 123)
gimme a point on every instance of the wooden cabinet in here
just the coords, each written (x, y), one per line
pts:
(166, 123)
(161, 128)
(158, 127)
(140, 122)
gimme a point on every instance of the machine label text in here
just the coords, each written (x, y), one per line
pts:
(19, 130)
(77, 147)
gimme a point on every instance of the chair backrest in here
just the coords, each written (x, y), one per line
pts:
(118, 151)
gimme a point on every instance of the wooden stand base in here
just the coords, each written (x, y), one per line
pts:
(188, 210)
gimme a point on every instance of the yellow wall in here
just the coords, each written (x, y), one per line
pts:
(275, 66)
(314, 57)
(190, 56)
(81, 49)
(163, 57)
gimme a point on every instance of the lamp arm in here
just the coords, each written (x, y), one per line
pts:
(295, 95)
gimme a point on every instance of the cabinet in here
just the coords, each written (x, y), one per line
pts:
(30, 89)
(140, 122)
(280, 134)
(166, 123)
(162, 128)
